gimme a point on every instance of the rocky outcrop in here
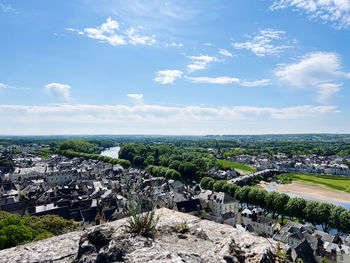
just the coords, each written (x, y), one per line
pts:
(205, 241)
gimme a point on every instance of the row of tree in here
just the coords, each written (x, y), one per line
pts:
(87, 156)
(327, 215)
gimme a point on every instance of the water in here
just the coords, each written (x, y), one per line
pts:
(272, 188)
(111, 152)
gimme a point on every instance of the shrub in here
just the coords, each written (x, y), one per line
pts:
(183, 228)
(143, 224)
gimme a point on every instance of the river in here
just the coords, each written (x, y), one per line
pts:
(111, 152)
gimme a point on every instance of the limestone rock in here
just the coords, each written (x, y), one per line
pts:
(205, 241)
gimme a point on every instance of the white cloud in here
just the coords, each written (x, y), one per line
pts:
(200, 62)
(229, 80)
(5, 86)
(73, 30)
(7, 8)
(337, 12)
(264, 42)
(58, 91)
(167, 76)
(143, 118)
(174, 44)
(319, 71)
(107, 32)
(137, 98)
(110, 32)
(226, 53)
(136, 39)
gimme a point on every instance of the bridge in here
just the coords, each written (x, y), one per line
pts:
(246, 179)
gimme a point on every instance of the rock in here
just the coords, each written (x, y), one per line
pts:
(204, 242)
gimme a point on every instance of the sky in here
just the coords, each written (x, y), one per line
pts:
(174, 67)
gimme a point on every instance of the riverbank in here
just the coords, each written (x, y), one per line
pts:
(310, 190)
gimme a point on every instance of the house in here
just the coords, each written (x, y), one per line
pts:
(259, 224)
(228, 219)
(304, 252)
(291, 234)
(176, 186)
(222, 203)
(190, 206)
(335, 253)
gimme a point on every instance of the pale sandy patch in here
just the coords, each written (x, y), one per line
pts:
(315, 191)
(242, 172)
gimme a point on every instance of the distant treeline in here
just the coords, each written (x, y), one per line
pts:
(230, 145)
(327, 215)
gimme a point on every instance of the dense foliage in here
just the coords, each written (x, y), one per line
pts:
(159, 171)
(15, 230)
(191, 163)
(78, 146)
(327, 215)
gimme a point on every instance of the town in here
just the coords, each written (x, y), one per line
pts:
(93, 192)
(334, 164)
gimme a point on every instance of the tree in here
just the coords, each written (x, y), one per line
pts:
(226, 188)
(345, 222)
(78, 146)
(270, 204)
(280, 203)
(335, 217)
(218, 185)
(127, 151)
(252, 196)
(138, 160)
(295, 208)
(233, 188)
(211, 184)
(149, 160)
(13, 232)
(175, 164)
(244, 193)
(187, 169)
(310, 213)
(205, 182)
(261, 197)
(323, 212)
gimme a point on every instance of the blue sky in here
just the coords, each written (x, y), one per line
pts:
(174, 67)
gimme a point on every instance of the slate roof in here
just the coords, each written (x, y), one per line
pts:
(305, 252)
(61, 211)
(189, 205)
(228, 215)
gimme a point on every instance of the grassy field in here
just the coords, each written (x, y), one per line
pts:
(331, 181)
(239, 166)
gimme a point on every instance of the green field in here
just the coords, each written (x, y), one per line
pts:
(332, 181)
(239, 166)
